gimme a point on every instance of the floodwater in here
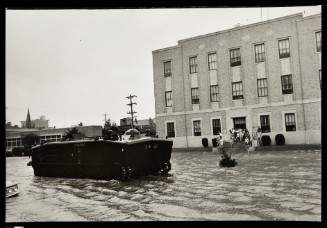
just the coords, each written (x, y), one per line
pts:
(265, 186)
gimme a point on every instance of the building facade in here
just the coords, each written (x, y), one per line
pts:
(37, 123)
(14, 136)
(266, 75)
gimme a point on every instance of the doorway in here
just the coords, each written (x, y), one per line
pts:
(239, 123)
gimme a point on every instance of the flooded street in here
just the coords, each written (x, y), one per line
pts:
(266, 186)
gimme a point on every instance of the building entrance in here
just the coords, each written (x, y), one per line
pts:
(239, 123)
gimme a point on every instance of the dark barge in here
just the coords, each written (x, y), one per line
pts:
(103, 159)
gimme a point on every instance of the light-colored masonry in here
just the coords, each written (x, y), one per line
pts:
(266, 75)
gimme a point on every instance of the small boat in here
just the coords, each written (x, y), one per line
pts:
(100, 158)
(11, 189)
(227, 160)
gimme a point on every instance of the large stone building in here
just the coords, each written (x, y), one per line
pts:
(266, 74)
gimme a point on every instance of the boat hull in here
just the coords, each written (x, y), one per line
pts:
(11, 189)
(102, 159)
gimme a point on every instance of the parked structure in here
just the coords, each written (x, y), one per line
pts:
(266, 74)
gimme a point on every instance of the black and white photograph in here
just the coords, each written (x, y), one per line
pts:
(163, 114)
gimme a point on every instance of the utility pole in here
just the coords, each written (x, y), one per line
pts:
(105, 117)
(131, 104)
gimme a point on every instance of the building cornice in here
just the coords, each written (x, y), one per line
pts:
(166, 49)
(309, 17)
(241, 27)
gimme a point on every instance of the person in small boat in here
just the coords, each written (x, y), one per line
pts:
(221, 147)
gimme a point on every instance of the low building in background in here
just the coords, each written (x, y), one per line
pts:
(14, 136)
(144, 126)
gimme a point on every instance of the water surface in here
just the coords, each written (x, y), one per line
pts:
(265, 186)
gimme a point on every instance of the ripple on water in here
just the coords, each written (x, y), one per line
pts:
(264, 186)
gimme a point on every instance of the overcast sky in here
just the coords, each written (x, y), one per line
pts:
(74, 66)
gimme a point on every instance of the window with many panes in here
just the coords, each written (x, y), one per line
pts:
(235, 57)
(212, 61)
(318, 41)
(193, 65)
(197, 127)
(169, 98)
(167, 69)
(195, 95)
(237, 90)
(262, 87)
(284, 48)
(259, 50)
(216, 128)
(287, 84)
(214, 93)
(170, 129)
(265, 123)
(290, 124)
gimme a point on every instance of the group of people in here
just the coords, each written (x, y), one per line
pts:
(240, 135)
(236, 135)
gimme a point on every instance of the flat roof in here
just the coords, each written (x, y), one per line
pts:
(242, 27)
(230, 30)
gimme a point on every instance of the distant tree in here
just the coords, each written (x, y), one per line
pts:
(111, 134)
(114, 128)
(80, 124)
(29, 141)
(107, 124)
(70, 133)
(8, 124)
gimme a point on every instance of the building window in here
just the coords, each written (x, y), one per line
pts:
(212, 61)
(169, 98)
(197, 127)
(193, 65)
(262, 87)
(284, 48)
(13, 142)
(287, 85)
(318, 41)
(195, 95)
(259, 53)
(290, 124)
(216, 128)
(265, 123)
(167, 69)
(52, 138)
(214, 93)
(237, 89)
(170, 129)
(235, 57)
(320, 78)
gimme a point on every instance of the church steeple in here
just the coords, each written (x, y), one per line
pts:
(28, 123)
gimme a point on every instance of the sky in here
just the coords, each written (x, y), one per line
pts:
(79, 65)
